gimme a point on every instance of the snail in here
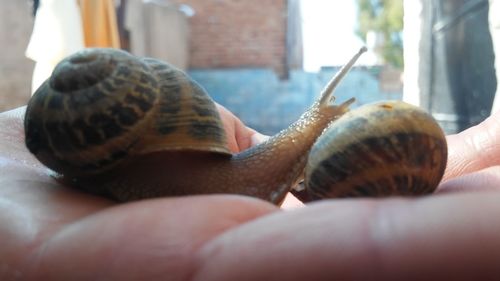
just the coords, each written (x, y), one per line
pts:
(132, 128)
(377, 150)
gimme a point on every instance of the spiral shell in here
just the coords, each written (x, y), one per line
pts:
(381, 149)
(102, 105)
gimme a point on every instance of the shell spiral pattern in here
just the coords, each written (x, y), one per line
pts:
(381, 149)
(101, 105)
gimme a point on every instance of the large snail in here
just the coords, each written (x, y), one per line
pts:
(109, 121)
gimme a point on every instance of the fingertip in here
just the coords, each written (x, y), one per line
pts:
(258, 138)
(291, 202)
(474, 149)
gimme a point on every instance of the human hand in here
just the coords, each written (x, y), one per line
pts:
(53, 232)
(47, 229)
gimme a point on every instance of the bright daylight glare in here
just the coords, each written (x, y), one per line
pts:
(329, 33)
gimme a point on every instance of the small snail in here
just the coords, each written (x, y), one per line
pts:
(108, 122)
(379, 149)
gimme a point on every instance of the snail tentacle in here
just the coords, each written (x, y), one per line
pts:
(326, 95)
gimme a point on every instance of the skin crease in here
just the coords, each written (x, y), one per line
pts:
(51, 232)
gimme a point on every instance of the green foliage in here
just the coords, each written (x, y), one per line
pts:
(385, 17)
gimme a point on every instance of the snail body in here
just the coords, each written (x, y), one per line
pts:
(133, 128)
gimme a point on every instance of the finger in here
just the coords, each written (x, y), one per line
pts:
(484, 180)
(258, 138)
(238, 135)
(12, 135)
(145, 240)
(229, 127)
(16, 113)
(291, 202)
(474, 149)
(447, 237)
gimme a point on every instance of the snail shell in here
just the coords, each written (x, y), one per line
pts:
(380, 149)
(101, 106)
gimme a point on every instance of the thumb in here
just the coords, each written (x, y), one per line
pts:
(474, 149)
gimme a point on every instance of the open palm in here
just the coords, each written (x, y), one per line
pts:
(52, 232)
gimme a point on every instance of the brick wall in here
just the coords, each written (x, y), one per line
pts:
(224, 34)
(238, 33)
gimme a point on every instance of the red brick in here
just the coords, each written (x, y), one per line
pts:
(237, 33)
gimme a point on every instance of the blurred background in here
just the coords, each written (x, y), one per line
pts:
(268, 60)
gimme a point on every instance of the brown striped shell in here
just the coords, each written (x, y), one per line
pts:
(101, 105)
(381, 149)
